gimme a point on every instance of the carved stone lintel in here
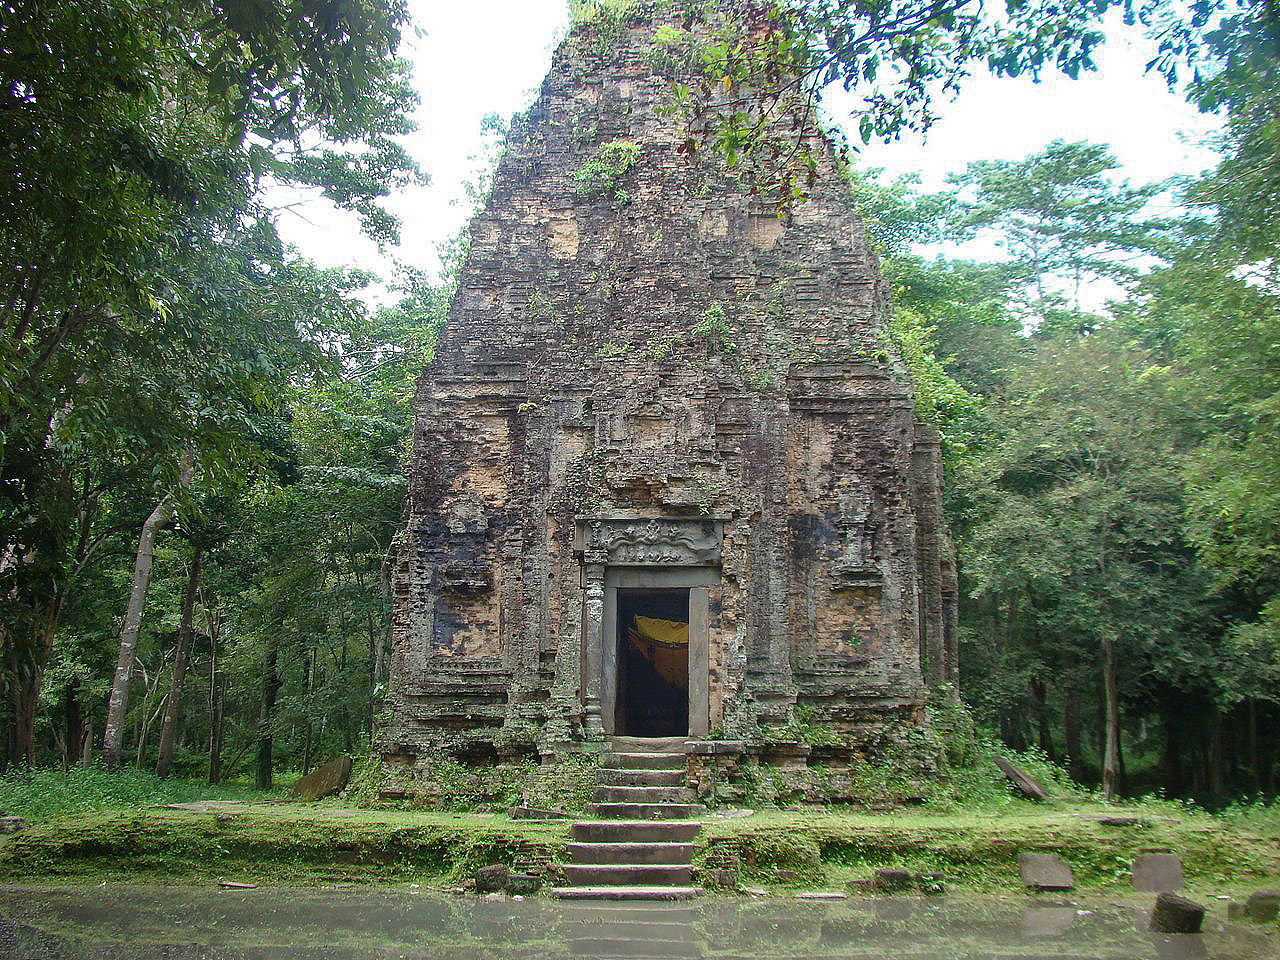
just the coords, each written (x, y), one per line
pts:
(642, 541)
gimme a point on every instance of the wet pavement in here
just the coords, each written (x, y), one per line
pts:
(117, 922)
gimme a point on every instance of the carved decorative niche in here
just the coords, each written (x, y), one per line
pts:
(856, 567)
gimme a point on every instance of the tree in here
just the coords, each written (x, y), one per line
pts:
(1063, 222)
(1081, 530)
(160, 517)
(142, 276)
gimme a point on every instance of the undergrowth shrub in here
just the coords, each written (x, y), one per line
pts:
(448, 784)
(47, 792)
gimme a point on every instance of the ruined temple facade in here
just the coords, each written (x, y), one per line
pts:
(667, 477)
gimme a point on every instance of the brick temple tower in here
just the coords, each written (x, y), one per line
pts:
(667, 478)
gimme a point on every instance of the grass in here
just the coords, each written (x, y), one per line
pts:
(294, 843)
(48, 792)
(93, 824)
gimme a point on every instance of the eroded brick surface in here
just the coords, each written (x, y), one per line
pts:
(585, 372)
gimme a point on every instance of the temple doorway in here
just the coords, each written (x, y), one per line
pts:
(653, 663)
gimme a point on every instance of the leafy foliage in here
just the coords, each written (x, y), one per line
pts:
(599, 176)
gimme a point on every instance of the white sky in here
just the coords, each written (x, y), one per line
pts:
(489, 56)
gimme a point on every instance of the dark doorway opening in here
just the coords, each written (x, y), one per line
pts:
(653, 663)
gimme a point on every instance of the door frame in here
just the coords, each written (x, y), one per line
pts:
(698, 581)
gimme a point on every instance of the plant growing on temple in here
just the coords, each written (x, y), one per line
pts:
(599, 176)
(713, 327)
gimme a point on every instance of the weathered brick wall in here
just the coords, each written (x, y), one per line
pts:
(571, 380)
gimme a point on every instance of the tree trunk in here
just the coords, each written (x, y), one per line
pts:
(309, 665)
(1040, 697)
(215, 705)
(1255, 753)
(1071, 721)
(27, 675)
(113, 733)
(1172, 761)
(267, 708)
(1217, 781)
(173, 705)
(73, 729)
(22, 740)
(1111, 698)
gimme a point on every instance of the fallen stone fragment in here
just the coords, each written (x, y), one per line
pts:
(323, 781)
(892, 878)
(755, 891)
(537, 813)
(733, 813)
(1045, 871)
(205, 806)
(1157, 873)
(822, 895)
(492, 879)
(234, 885)
(1176, 914)
(1263, 906)
(1028, 786)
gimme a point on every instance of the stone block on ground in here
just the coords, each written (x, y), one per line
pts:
(1263, 906)
(1045, 871)
(1025, 783)
(1174, 913)
(537, 813)
(1157, 873)
(492, 879)
(891, 878)
(721, 878)
(523, 883)
(324, 781)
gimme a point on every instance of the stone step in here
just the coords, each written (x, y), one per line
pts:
(635, 831)
(626, 874)
(649, 744)
(613, 777)
(647, 811)
(626, 893)
(623, 946)
(610, 794)
(674, 853)
(634, 760)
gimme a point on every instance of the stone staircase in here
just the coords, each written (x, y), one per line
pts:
(641, 848)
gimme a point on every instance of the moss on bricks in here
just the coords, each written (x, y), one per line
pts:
(298, 843)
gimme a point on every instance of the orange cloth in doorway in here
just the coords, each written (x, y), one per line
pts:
(665, 644)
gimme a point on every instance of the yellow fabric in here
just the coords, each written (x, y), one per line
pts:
(664, 643)
(669, 633)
